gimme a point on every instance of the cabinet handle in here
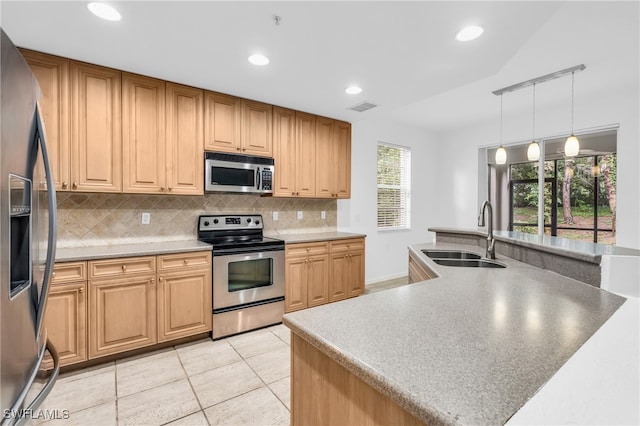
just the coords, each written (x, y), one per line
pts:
(170, 188)
(162, 189)
(81, 290)
(159, 279)
(244, 149)
(238, 149)
(64, 185)
(74, 185)
(124, 268)
(293, 193)
(185, 261)
(53, 275)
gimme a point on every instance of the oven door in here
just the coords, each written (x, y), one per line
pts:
(250, 277)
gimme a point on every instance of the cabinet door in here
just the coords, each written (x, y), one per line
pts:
(143, 134)
(356, 273)
(342, 150)
(122, 314)
(284, 152)
(318, 280)
(52, 73)
(184, 303)
(325, 158)
(256, 136)
(221, 122)
(185, 138)
(296, 284)
(338, 284)
(305, 155)
(66, 322)
(96, 133)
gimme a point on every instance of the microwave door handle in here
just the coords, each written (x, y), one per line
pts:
(258, 178)
(53, 221)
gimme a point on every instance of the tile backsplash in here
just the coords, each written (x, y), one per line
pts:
(87, 219)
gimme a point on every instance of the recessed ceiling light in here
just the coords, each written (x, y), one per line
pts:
(469, 33)
(258, 59)
(353, 90)
(104, 11)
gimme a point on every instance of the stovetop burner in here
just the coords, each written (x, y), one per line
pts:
(234, 231)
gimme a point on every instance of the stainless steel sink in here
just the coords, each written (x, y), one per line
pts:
(450, 254)
(469, 263)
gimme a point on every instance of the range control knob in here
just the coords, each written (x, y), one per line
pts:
(206, 223)
(215, 220)
(248, 220)
(257, 222)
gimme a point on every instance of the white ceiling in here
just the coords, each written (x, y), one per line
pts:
(403, 54)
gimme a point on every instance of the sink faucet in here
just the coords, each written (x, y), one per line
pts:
(491, 249)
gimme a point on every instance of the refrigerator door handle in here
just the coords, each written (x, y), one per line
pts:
(53, 221)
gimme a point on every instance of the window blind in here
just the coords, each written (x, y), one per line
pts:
(394, 186)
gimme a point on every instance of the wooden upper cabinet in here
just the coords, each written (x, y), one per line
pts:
(325, 158)
(305, 154)
(185, 136)
(52, 73)
(256, 135)
(143, 134)
(342, 149)
(221, 122)
(96, 144)
(333, 158)
(284, 152)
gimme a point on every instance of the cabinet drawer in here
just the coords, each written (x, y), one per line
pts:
(171, 262)
(295, 250)
(69, 272)
(347, 245)
(122, 267)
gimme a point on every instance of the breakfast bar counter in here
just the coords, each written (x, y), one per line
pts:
(470, 346)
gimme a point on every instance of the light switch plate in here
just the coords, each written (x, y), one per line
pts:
(146, 218)
(299, 214)
(275, 215)
(323, 215)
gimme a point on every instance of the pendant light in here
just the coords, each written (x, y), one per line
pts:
(501, 153)
(533, 151)
(572, 145)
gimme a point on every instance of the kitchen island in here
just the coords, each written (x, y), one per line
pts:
(471, 346)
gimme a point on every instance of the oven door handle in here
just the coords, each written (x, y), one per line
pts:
(247, 250)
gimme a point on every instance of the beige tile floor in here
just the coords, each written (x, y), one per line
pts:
(240, 380)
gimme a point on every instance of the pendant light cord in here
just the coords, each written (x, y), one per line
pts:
(534, 114)
(572, 80)
(500, 119)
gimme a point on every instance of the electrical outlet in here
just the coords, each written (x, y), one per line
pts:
(323, 215)
(275, 215)
(299, 214)
(146, 218)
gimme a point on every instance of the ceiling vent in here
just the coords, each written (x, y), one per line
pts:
(362, 106)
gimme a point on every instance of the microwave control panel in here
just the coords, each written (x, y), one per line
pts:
(266, 180)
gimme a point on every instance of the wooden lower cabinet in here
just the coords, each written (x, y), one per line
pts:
(325, 393)
(122, 314)
(318, 273)
(184, 296)
(65, 318)
(307, 275)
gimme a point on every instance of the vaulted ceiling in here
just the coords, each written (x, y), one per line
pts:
(403, 54)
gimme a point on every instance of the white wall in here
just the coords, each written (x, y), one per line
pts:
(386, 251)
(457, 156)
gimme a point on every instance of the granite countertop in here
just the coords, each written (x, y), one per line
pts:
(583, 250)
(313, 237)
(469, 347)
(128, 250)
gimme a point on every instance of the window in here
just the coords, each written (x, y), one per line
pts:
(579, 198)
(394, 186)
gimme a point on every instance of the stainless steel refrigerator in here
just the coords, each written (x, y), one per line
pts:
(27, 240)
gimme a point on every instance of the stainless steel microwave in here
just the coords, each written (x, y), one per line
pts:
(237, 173)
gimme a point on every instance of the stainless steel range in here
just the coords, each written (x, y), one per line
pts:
(248, 273)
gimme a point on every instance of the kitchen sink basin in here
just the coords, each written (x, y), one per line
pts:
(469, 263)
(450, 254)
